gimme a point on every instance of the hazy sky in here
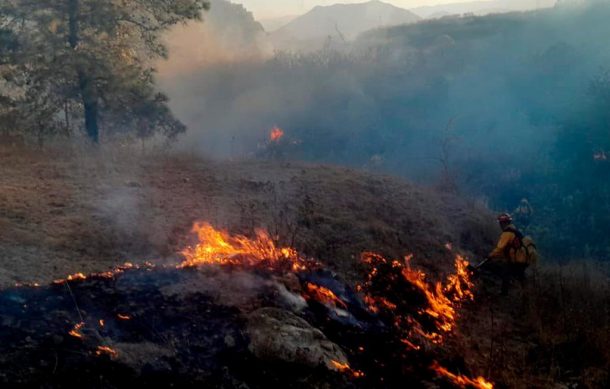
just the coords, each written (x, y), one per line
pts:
(274, 8)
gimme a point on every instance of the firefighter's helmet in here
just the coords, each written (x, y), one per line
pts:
(505, 218)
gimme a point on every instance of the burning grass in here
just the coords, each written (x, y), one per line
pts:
(416, 312)
(220, 248)
(431, 319)
(385, 287)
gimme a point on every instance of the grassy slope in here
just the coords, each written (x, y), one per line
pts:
(63, 212)
(68, 211)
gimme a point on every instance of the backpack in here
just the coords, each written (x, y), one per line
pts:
(527, 243)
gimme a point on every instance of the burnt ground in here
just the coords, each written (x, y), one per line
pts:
(189, 328)
(67, 210)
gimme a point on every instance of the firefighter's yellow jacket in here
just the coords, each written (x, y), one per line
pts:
(506, 250)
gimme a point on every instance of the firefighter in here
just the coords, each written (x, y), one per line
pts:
(509, 259)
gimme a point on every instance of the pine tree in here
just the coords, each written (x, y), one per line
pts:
(91, 60)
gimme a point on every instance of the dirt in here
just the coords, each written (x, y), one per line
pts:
(68, 210)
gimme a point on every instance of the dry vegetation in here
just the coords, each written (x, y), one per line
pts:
(552, 332)
(67, 210)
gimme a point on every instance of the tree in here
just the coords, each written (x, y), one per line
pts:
(92, 60)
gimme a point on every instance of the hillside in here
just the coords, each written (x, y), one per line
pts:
(481, 7)
(339, 22)
(61, 214)
(69, 211)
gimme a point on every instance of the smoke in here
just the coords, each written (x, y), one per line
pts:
(227, 34)
(406, 99)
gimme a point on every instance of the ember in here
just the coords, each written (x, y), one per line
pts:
(75, 332)
(461, 380)
(123, 317)
(345, 368)
(72, 277)
(105, 350)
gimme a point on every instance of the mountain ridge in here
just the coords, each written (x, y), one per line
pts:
(339, 22)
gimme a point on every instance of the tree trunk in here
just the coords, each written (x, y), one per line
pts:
(85, 83)
(91, 108)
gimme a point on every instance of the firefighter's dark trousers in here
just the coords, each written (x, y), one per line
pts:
(508, 273)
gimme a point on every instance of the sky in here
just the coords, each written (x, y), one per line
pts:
(277, 8)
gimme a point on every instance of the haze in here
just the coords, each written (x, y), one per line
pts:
(278, 8)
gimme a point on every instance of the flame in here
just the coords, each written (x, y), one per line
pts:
(324, 295)
(217, 247)
(108, 274)
(76, 331)
(460, 380)
(276, 134)
(345, 368)
(101, 350)
(71, 277)
(442, 298)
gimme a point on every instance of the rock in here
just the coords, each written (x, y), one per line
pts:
(280, 335)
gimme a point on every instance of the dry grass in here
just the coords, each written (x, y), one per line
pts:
(553, 332)
(70, 209)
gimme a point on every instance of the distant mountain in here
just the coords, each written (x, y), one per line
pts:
(338, 23)
(481, 7)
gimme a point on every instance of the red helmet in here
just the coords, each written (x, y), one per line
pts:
(505, 218)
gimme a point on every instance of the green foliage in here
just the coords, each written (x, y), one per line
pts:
(80, 62)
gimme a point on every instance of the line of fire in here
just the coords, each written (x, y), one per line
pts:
(204, 313)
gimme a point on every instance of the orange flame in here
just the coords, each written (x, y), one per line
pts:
(324, 295)
(121, 316)
(107, 274)
(219, 248)
(276, 134)
(460, 380)
(72, 277)
(345, 368)
(101, 350)
(442, 298)
(76, 331)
